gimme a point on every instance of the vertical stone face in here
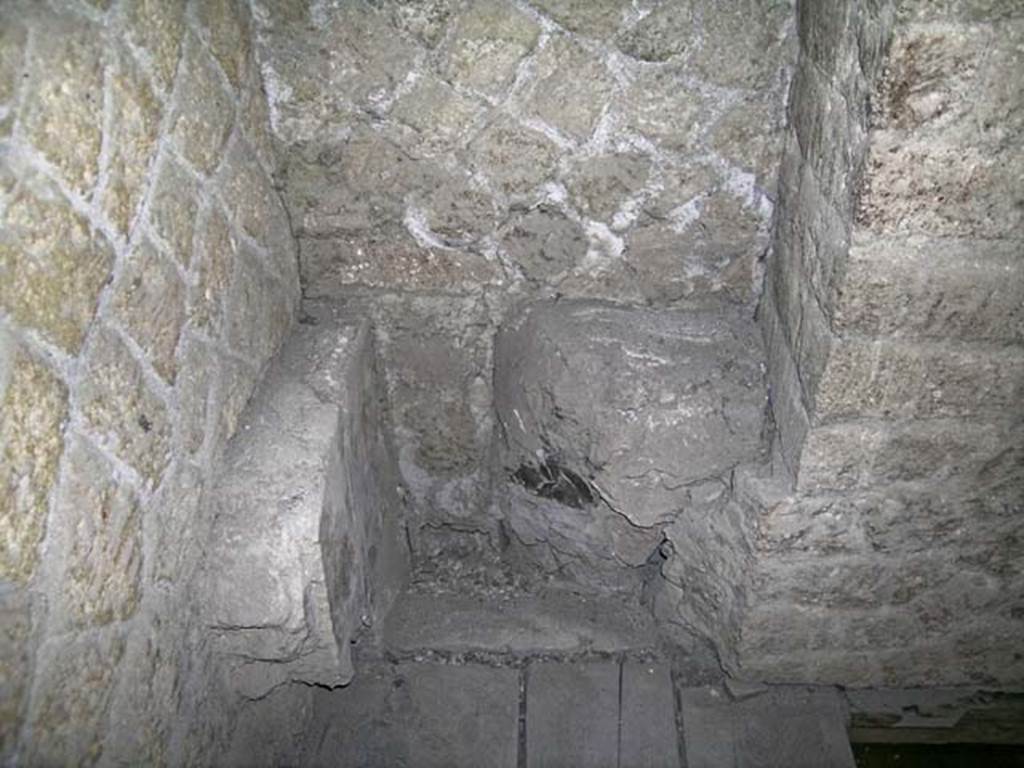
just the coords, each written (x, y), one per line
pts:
(15, 664)
(31, 424)
(173, 207)
(158, 28)
(205, 111)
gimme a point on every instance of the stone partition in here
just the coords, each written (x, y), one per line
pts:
(448, 161)
(307, 549)
(147, 273)
(888, 540)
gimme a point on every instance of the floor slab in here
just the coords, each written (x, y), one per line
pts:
(648, 735)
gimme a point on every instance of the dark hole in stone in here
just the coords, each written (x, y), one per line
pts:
(145, 423)
(549, 480)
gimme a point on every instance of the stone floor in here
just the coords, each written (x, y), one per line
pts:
(553, 680)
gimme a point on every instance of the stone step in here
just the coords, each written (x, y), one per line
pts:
(523, 625)
(781, 727)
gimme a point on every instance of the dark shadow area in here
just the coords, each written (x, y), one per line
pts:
(938, 755)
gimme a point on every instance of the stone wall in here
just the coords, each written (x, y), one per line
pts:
(147, 273)
(887, 544)
(447, 160)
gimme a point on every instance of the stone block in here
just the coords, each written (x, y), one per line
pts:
(72, 695)
(744, 43)
(217, 253)
(98, 530)
(516, 159)
(173, 208)
(121, 409)
(592, 18)
(601, 185)
(12, 59)
(424, 20)
(53, 264)
(193, 386)
(438, 114)
(226, 24)
(973, 291)
(180, 518)
(258, 311)
(489, 41)
(132, 139)
(158, 28)
(661, 106)
(450, 208)
(253, 202)
(233, 386)
(749, 136)
(31, 423)
(543, 242)
(571, 90)
(886, 379)
(204, 111)
(667, 31)
(648, 735)
(305, 549)
(254, 120)
(149, 300)
(15, 664)
(63, 111)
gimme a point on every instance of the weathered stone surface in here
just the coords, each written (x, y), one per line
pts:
(292, 577)
(253, 201)
(571, 89)
(122, 410)
(648, 736)
(63, 113)
(173, 207)
(593, 18)
(15, 664)
(258, 311)
(226, 25)
(234, 385)
(452, 209)
(661, 106)
(665, 32)
(217, 253)
(601, 185)
(425, 20)
(743, 42)
(132, 138)
(516, 159)
(572, 714)
(158, 27)
(439, 114)
(749, 135)
(543, 242)
(205, 112)
(272, 730)
(12, 53)
(34, 408)
(149, 300)
(100, 535)
(68, 714)
(490, 40)
(52, 262)
(389, 716)
(597, 406)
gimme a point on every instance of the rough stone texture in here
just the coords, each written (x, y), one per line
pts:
(306, 546)
(501, 151)
(609, 417)
(118, 384)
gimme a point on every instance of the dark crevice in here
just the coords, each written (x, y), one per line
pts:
(549, 480)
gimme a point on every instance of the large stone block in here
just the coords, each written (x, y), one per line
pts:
(98, 530)
(438, 114)
(226, 23)
(571, 90)
(15, 664)
(149, 300)
(515, 158)
(173, 207)
(53, 264)
(63, 116)
(253, 202)
(205, 110)
(668, 31)
(217, 252)
(306, 548)
(744, 42)
(258, 310)
(158, 28)
(614, 413)
(544, 243)
(31, 422)
(120, 407)
(593, 18)
(132, 139)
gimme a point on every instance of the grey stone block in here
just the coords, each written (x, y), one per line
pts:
(785, 727)
(648, 737)
(572, 715)
(612, 412)
(306, 546)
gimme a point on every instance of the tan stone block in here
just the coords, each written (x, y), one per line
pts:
(572, 88)
(254, 119)
(661, 106)
(31, 420)
(63, 111)
(217, 252)
(71, 700)
(227, 24)
(235, 384)
(158, 26)
(515, 158)
(253, 201)
(178, 512)
(259, 313)
(173, 208)
(132, 140)
(53, 265)
(12, 54)
(743, 44)
(100, 540)
(149, 299)
(594, 18)
(193, 385)
(205, 110)
(15, 665)
(122, 411)
(437, 112)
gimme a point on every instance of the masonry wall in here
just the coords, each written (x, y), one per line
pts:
(449, 160)
(147, 273)
(887, 544)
